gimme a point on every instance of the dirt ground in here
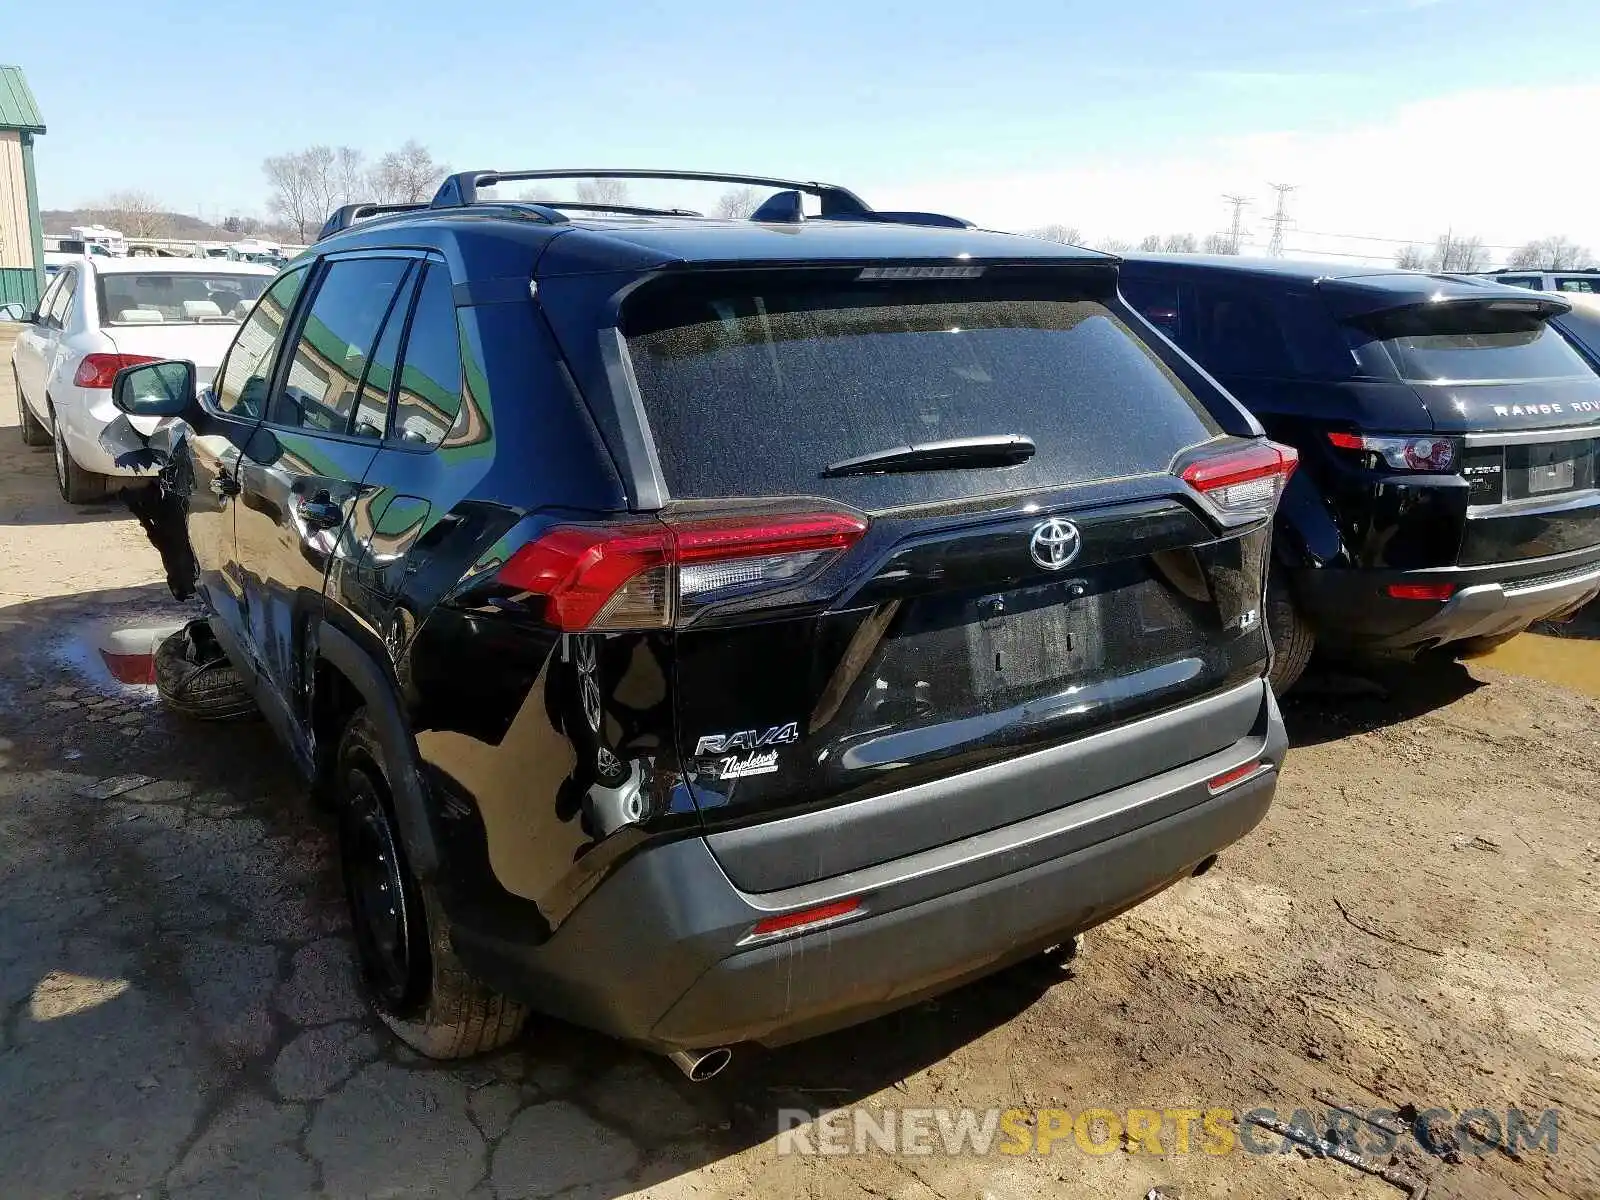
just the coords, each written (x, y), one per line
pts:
(1417, 922)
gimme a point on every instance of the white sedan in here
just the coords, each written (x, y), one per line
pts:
(99, 315)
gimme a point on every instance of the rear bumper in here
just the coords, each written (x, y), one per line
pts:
(1354, 609)
(84, 414)
(660, 955)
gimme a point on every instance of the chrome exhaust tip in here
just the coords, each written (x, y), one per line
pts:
(700, 1065)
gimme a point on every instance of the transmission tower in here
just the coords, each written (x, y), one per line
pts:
(1236, 230)
(1279, 220)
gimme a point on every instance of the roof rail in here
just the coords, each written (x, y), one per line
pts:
(348, 214)
(462, 188)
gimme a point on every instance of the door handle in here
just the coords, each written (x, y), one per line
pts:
(320, 512)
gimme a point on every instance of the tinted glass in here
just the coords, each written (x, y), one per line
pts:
(1532, 282)
(1267, 332)
(430, 379)
(242, 382)
(336, 339)
(1161, 303)
(1473, 344)
(61, 305)
(1586, 285)
(171, 298)
(372, 409)
(51, 291)
(753, 386)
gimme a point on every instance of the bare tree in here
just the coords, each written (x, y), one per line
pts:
(1067, 235)
(241, 226)
(1114, 245)
(1220, 243)
(1179, 243)
(136, 214)
(408, 175)
(1558, 253)
(1460, 255)
(738, 204)
(1151, 241)
(603, 191)
(1411, 258)
(307, 185)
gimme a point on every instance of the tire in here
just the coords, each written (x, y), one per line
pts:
(1292, 638)
(1477, 646)
(195, 679)
(409, 970)
(33, 431)
(77, 485)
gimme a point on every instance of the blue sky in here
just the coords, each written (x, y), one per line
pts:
(910, 100)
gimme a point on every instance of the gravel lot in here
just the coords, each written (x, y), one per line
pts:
(1417, 922)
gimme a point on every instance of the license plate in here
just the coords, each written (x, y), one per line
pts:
(1551, 470)
(1033, 638)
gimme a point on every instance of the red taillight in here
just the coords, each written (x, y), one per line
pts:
(1244, 482)
(1422, 591)
(1348, 441)
(1227, 779)
(806, 916)
(99, 370)
(644, 576)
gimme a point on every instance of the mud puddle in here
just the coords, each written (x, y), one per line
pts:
(1570, 662)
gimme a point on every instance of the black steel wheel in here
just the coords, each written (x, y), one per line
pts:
(417, 986)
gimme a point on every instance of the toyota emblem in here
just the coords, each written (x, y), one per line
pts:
(1055, 543)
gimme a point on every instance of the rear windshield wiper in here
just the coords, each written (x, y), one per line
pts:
(999, 450)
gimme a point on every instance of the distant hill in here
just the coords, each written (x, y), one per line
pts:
(59, 221)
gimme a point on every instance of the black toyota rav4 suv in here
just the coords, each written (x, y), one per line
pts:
(1447, 432)
(722, 630)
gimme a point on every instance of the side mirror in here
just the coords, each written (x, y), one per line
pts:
(16, 312)
(158, 389)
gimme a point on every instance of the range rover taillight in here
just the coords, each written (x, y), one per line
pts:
(651, 575)
(1245, 483)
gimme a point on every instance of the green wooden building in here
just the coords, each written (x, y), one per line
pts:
(21, 230)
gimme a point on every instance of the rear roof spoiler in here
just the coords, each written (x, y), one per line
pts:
(1361, 297)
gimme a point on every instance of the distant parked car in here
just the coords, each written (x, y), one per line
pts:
(1447, 435)
(98, 315)
(1585, 282)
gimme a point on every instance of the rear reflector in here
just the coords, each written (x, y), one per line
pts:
(100, 370)
(1422, 591)
(805, 917)
(1228, 778)
(1245, 482)
(647, 575)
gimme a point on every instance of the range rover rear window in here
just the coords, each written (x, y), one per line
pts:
(754, 383)
(1475, 344)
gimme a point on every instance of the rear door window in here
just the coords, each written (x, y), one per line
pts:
(429, 397)
(335, 341)
(1531, 282)
(755, 383)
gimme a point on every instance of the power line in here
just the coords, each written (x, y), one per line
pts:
(1236, 231)
(1372, 237)
(1279, 220)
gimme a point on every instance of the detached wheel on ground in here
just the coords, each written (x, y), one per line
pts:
(77, 485)
(195, 679)
(1292, 638)
(33, 431)
(412, 977)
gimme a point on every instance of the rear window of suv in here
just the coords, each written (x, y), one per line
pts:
(1475, 344)
(754, 383)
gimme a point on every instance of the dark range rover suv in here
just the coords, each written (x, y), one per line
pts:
(1447, 432)
(715, 631)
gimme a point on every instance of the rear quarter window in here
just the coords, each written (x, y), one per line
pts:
(753, 384)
